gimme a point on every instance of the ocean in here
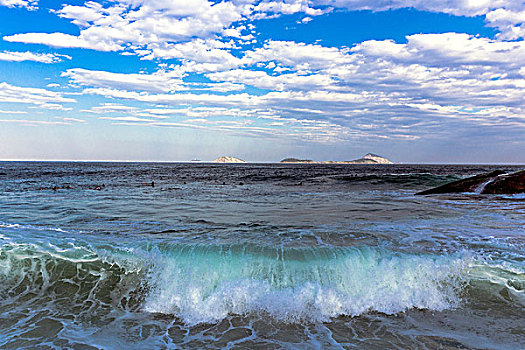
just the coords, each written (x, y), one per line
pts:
(257, 256)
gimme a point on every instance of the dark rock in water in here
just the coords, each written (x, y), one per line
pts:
(507, 184)
(470, 184)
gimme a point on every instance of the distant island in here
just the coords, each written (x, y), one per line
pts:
(295, 160)
(228, 159)
(368, 158)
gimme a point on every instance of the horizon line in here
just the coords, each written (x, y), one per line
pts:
(245, 162)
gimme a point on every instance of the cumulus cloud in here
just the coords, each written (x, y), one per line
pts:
(262, 80)
(30, 56)
(298, 55)
(448, 49)
(505, 15)
(509, 22)
(139, 23)
(267, 8)
(150, 25)
(65, 40)
(197, 55)
(378, 88)
(159, 81)
(28, 4)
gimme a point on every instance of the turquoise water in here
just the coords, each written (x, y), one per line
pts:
(245, 256)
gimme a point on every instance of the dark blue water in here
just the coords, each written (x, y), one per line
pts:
(150, 255)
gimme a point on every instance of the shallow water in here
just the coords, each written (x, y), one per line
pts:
(256, 255)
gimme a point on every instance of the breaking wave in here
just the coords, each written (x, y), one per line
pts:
(205, 283)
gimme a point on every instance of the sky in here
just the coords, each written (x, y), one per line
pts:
(418, 81)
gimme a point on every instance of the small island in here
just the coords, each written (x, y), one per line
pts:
(228, 159)
(295, 160)
(368, 158)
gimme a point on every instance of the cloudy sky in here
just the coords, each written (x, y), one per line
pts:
(173, 80)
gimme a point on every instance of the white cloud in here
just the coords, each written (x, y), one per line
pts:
(30, 56)
(151, 28)
(180, 99)
(298, 55)
(82, 15)
(159, 81)
(53, 106)
(110, 108)
(12, 112)
(374, 89)
(37, 96)
(505, 15)
(65, 40)
(378, 89)
(140, 24)
(286, 7)
(225, 86)
(33, 122)
(246, 122)
(262, 80)
(75, 120)
(127, 119)
(28, 4)
(448, 49)
(195, 32)
(162, 81)
(197, 55)
(116, 110)
(509, 22)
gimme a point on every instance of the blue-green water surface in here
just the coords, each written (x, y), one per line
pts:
(153, 255)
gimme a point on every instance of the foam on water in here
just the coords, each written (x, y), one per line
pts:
(204, 284)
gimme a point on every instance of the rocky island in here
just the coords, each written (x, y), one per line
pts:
(368, 158)
(295, 160)
(228, 159)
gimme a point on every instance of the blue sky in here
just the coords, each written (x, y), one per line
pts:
(439, 81)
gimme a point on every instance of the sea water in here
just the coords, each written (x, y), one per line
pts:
(270, 256)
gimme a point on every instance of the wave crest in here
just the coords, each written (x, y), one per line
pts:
(202, 284)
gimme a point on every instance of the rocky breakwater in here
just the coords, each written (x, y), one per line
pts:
(495, 182)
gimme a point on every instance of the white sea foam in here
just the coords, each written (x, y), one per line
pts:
(205, 283)
(204, 286)
(31, 227)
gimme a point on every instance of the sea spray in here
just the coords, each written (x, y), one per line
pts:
(206, 283)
